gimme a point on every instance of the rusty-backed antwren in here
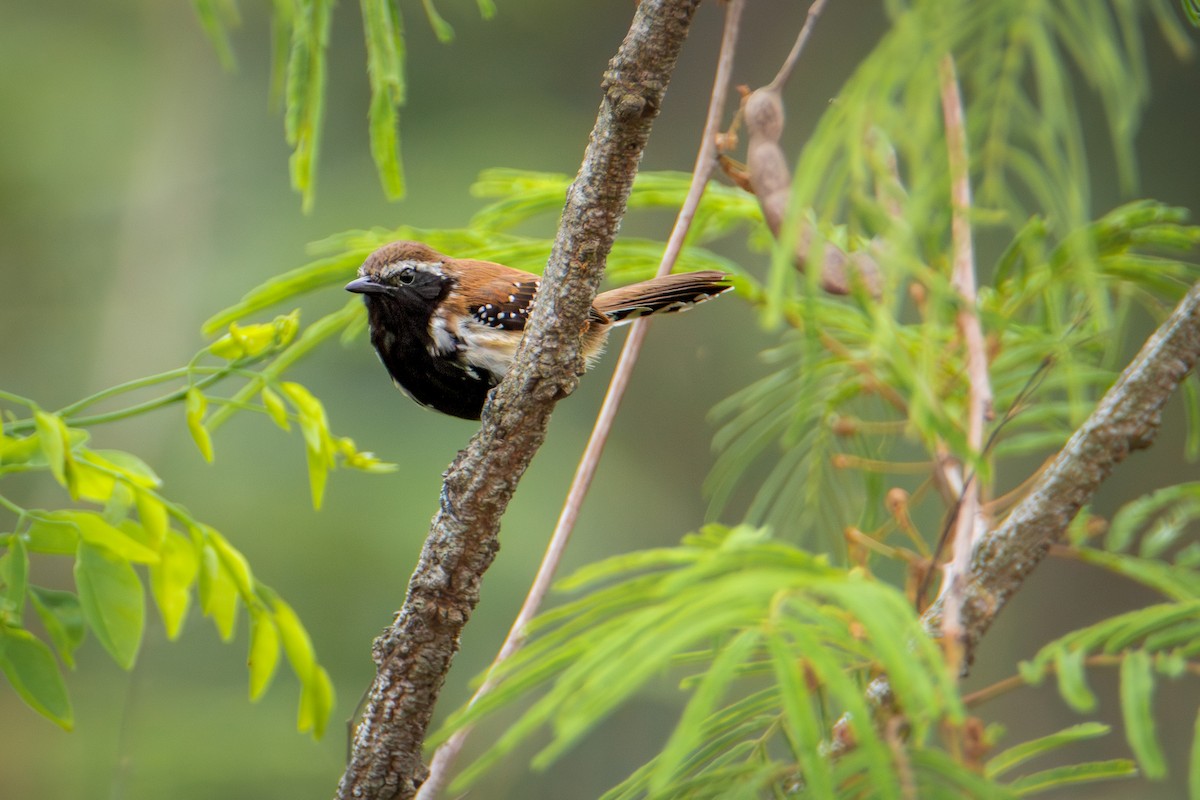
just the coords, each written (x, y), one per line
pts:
(447, 328)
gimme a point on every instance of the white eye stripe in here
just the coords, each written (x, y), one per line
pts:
(396, 269)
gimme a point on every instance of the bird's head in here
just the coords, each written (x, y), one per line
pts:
(403, 276)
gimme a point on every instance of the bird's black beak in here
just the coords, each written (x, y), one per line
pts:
(365, 286)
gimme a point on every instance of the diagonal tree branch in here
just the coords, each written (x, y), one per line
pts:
(414, 653)
(1126, 419)
(446, 754)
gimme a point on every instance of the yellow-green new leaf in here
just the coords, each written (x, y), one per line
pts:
(31, 669)
(218, 592)
(171, 581)
(153, 516)
(233, 562)
(320, 448)
(112, 599)
(276, 409)
(129, 466)
(18, 450)
(195, 405)
(296, 642)
(316, 703)
(264, 652)
(94, 530)
(52, 439)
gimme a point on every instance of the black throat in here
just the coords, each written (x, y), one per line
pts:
(400, 334)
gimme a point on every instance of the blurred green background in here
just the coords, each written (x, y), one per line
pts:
(142, 188)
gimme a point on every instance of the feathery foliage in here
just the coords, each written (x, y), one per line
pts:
(300, 40)
(864, 409)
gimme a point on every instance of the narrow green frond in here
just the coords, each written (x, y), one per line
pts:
(1014, 756)
(1059, 777)
(217, 17)
(385, 69)
(1137, 692)
(304, 108)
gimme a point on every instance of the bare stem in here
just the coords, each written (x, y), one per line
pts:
(443, 759)
(789, 63)
(969, 524)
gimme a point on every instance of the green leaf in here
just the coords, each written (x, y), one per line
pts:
(112, 600)
(441, 28)
(245, 341)
(1019, 754)
(18, 450)
(264, 651)
(31, 669)
(1174, 582)
(804, 726)
(325, 272)
(216, 17)
(49, 535)
(320, 448)
(232, 562)
(1137, 709)
(316, 702)
(1058, 777)
(129, 466)
(62, 617)
(153, 516)
(712, 687)
(275, 407)
(196, 404)
(385, 68)
(1072, 679)
(53, 441)
(312, 336)
(94, 530)
(14, 574)
(296, 643)
(171, 581)
(941, 776)
(218, 591)
(306, 79)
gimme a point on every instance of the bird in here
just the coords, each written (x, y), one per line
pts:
(447, 328)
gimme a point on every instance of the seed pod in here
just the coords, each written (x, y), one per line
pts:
(771, 181)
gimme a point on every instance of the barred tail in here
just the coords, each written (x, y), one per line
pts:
(661, 295)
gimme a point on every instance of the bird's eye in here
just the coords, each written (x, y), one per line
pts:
(407, 275)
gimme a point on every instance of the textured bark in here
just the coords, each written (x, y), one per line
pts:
(414, 653)
(1127, 419)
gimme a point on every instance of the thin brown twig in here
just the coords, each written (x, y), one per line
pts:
(443, 759)
(969, 525)
(1012, 682)
(785, 71)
